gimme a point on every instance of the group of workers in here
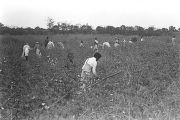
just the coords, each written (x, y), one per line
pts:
(89, 67)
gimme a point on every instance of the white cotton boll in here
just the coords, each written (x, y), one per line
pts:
(46, 107)
(130, 42)
(43, 104)
(33, 97)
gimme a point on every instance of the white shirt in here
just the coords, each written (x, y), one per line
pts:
(26, 49)
(106, 44)
(50, 44)
(173, 39)
(116, 44)
(96, 41)
(142, 39)
(116, 41)
(90, 65)
(61, 44)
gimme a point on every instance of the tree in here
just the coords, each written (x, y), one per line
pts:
(179, 29)
(110, 30)
(86, 28)
(50, 23)
(1, 28)
(100, 29)
(139, 30)
(172, 29)
(151, 29)
(64, 27)
(1, 25)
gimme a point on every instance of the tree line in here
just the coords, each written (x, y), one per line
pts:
(66, 28)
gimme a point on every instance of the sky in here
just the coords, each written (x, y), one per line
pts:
(145, 13)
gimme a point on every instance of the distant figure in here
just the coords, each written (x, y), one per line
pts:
(116, 40)
(46, 41)
(37, 49)
(95, 41)
(95, 45)
(26, 49)
(124, 43)
(130, 42)
(142, 39)
(173, 40)
(106, 44)
(70, 61)
(61, 45)
(50, 45)
(81, 44)
(116, 44)
(89, 68)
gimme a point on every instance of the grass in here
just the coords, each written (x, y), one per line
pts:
(147, 86)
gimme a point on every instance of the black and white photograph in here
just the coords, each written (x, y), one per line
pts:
(89, 60)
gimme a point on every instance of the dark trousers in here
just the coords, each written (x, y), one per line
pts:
(26, 58)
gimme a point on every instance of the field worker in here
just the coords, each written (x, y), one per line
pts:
(130, 42)
(61, 45)
(116, 40)
(89, 68)
(142, 39)
(95, 45)
(26, 49)
(81, 44)
(96, 41)
(116, 44)
(37, 49)
(50, 45)
(106, 44)
(124, 42)
(173, 40)
(46, 41)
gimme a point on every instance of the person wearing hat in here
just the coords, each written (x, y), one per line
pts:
(81, 44)
(37, 49)
(95, 45)
(116, 44)
(26, 49)
(89, 68)
(173, 40)
(46, 41)
(50, 45)
(116, 40)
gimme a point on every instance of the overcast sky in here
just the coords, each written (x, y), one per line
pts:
(145, 13)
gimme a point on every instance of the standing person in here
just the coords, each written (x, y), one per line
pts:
(107, 44)
(124, 43)
(142, 39)
(95, 45)
(89, 68)
(116, 40)
(81, 44)
(116, 44)
(37, 49)
(26, 49)
(50, 45)
(46, 41)
(173, 40)
(60, 44)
